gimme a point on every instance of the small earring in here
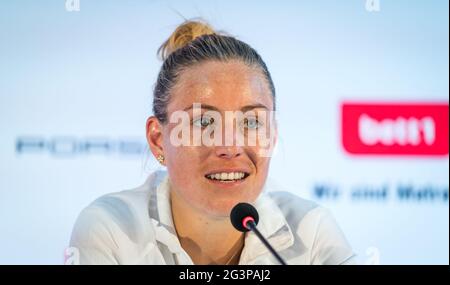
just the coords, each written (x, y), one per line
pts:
(160, 158)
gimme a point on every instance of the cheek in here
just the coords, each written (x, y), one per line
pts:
(184, 168)
(262, 170)
(181, 162)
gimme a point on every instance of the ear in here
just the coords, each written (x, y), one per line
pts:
(154, 136)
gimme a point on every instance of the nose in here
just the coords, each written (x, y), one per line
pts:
(228, 152)
(232, 141)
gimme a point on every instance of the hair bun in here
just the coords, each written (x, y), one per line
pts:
(184, 34)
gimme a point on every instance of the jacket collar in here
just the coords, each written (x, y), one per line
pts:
(272, 223)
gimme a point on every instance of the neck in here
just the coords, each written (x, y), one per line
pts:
(207, 239)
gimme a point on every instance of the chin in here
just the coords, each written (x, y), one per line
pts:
(222, 208)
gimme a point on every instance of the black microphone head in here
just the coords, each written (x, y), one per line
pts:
(240, 212)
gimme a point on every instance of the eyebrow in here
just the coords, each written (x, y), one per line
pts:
(243, 109)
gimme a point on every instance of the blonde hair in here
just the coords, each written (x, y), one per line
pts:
(194, 42)
(183, 34)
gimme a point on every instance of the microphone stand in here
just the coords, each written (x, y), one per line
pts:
(252, 226)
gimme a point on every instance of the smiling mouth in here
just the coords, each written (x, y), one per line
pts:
(227, 176)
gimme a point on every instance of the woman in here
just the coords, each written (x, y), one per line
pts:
(182, 216)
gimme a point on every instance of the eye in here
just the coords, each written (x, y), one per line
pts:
(203, 122)
(251, 123)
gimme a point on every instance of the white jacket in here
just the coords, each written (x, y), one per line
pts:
(136, 227)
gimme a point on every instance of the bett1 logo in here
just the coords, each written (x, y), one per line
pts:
(395, 128)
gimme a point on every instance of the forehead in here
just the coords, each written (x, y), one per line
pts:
(226, 85)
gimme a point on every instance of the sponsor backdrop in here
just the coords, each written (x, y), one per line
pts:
(362, 93)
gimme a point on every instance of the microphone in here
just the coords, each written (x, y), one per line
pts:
(244, 218)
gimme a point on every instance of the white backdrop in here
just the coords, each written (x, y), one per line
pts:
(76, 89)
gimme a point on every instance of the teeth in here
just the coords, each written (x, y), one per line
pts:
(227, 176)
